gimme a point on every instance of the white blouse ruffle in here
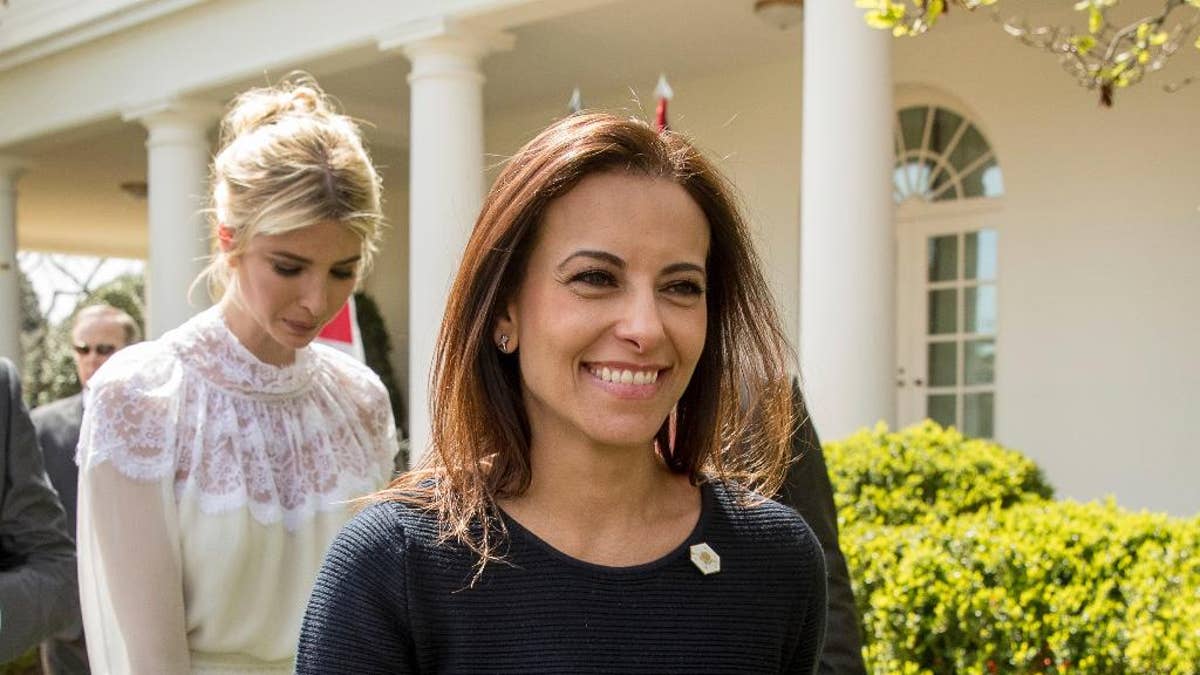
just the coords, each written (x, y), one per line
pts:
(286, 442)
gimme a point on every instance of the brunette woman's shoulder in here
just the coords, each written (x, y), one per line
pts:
(748, 514)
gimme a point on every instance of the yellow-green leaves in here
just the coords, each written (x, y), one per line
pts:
(882, 14)
(1103, 58)
(1083, 43)
(962, 564)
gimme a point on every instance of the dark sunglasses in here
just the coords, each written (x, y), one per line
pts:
(102, 349)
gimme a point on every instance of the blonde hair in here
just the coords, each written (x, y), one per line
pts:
(289, 160)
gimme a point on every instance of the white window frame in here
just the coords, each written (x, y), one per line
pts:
(916, 221)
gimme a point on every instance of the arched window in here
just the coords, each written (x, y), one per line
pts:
(941, 156)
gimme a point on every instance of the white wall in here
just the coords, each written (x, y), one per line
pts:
(1098, 377)
(388, 283)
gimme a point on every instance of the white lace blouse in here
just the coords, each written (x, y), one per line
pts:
(210, 485)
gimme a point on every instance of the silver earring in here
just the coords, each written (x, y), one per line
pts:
(504, 343)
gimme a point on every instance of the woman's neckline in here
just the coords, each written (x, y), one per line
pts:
(696, 535)
(219, 312)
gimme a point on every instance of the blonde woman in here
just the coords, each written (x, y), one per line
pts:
(216, 461)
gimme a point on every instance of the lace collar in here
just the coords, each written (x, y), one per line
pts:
(206, 345)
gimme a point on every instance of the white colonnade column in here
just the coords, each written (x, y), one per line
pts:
(10, 289)
(445, 182)
(847, 242)
(177, 150)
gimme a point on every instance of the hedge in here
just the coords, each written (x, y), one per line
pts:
(925, 471)
(951, 576)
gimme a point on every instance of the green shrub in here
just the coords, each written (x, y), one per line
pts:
(925, 471)
(1044, 587)
(25, 664)
(377, 349)
(961, 564)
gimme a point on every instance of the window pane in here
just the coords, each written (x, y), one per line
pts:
(943, 176)
(914, 176)
(978, 415)
(980, 255)
(979, 364)
(968, 149)
(912, 126)
(943, 311)
(940, 409)
(943, 364)
(980, 309)
(973, 183)
(945, 123)
(992, 179)
(943, 258)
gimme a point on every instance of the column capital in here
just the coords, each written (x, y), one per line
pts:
(444, 35)
(174, 120)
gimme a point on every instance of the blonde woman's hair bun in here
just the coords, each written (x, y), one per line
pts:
(297, 96)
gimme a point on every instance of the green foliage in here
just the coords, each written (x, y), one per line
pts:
(926, 472)
(1103, 56)
(33, 332)
(965, 566)
(901, 20)
(26, 664)
(31, 314)
(377, 348)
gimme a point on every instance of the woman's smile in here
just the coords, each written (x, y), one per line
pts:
(629, 381)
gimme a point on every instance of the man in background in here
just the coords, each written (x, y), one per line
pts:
(37, 563)
(99, 331)
(808, 490)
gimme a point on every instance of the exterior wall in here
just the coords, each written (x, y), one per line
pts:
(1096, 368)
(389, 282)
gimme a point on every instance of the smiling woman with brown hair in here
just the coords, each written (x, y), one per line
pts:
(610, 387)
(216, 462)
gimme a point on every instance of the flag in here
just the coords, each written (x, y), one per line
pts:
(342, 332)
(664, 93)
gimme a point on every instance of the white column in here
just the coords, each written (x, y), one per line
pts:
(10, 293)
(445, 183)
(847, 242)
(177, 150)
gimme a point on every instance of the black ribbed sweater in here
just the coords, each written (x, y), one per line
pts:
(389, 599)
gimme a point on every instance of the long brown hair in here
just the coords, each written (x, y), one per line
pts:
(734, 419)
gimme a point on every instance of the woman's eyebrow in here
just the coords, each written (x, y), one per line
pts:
(603, 256)
(301, 259)
(683, 267)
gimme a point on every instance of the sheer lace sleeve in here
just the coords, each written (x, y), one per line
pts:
(130, 570)
(130, 574)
